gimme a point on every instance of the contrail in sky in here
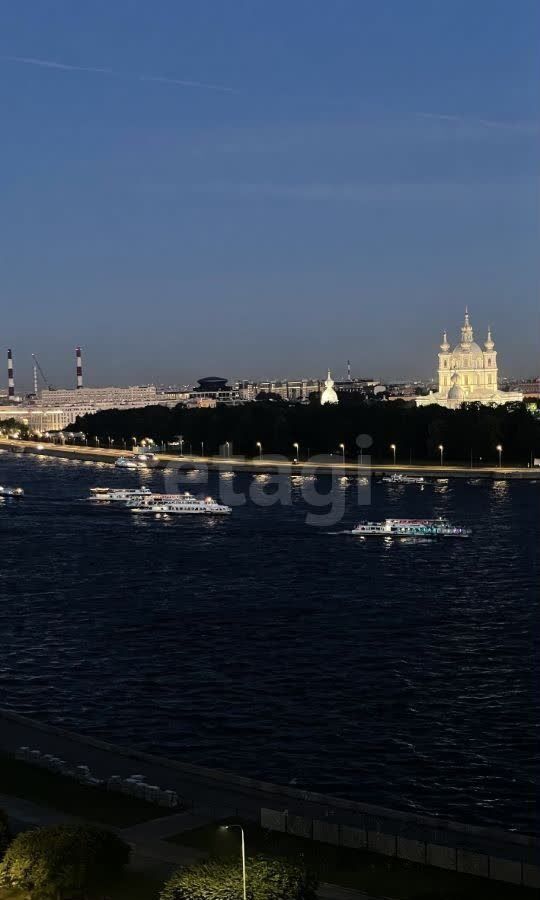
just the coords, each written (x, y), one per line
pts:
(95, 70)
(503, 125)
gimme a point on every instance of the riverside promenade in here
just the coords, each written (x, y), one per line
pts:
(273, 464)
(470, 849)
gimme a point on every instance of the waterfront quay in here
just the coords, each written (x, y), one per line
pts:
(272, 464)
(473, 850)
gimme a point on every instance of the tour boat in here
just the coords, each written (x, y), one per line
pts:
(178, 504)
(11, 492)
(398, 478)
(119, 494)
(411, 528)
(124, 463)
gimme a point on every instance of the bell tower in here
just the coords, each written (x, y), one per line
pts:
(444, 365)
(490, 362)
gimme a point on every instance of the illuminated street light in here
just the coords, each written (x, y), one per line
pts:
(342, 448)
(228, 446)
(499, 450)
(393, 449)
(259, 445)
(297, 448)
(202, 448)
(441, 451)
(228, 828)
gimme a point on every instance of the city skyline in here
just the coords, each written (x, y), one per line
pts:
(253, 192)
(72, 374)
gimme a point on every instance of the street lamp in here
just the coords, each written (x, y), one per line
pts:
(393, 449)
(259, 445)
(499, 450)
(441, 451)
(134, 439)
(228, 446)
(297, 448)
(228, 828)
(202, 448)
(181, 440)
(342, 448)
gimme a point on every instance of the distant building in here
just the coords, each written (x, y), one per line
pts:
(363, 387)
(40, 420)
(407, 390)
(247, 390)
(213, 388)
(195, 401)
(295, 391)
(329, 395)
(54, 410)
(171, 397)
(100, 397)
(529, 387)
(468, 374)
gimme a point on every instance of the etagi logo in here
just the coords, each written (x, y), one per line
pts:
(323, 480)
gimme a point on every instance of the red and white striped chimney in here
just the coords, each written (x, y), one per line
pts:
(79, 367)
(11, 379)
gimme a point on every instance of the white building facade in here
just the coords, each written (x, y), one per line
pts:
(329, 395)
(468, 373)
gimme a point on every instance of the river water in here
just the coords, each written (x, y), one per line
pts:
(396, 673)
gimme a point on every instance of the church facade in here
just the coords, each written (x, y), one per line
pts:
(468, 373)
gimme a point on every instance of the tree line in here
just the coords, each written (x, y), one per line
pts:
(471, 432)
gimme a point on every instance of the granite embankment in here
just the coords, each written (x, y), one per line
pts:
(320, 464)
(473, 850)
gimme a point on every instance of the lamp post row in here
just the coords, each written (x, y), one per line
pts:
(296, 445)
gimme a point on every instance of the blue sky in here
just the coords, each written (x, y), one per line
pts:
(265, 189)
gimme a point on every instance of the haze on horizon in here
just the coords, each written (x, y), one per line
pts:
(263, 189)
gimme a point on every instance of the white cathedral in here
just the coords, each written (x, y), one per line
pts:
(468, 374)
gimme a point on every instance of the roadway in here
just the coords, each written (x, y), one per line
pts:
(275, 463)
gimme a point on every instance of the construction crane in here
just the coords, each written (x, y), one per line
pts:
(37, 368)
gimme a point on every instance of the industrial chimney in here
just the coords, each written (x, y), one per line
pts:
(11, 379)
(79, 368)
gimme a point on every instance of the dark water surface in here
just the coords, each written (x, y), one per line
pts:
(395, 673)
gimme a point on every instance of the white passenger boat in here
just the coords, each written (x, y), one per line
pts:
(398, 478)
(11, 492)
(124, 463)
(430, 528)
(178, 504)
(119, 494)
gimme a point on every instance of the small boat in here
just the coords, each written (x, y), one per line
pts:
(144, 456)
(398, 478)
(124, 463)
(11, 492)
(119, 494)
(430, 528)
(178, 504)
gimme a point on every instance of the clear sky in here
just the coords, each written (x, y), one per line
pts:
(264, 188)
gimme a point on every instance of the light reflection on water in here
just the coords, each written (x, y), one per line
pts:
(396, 672)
